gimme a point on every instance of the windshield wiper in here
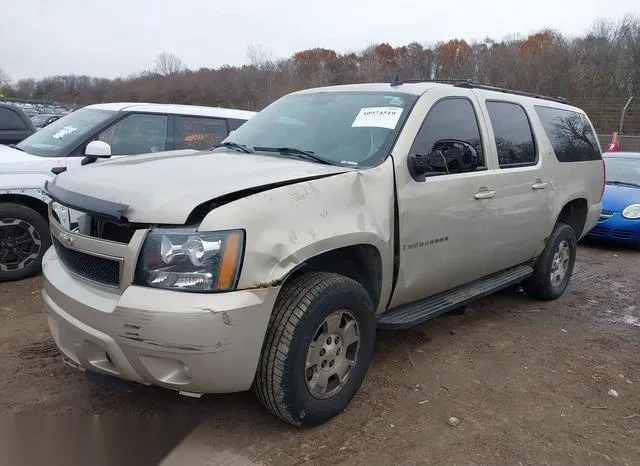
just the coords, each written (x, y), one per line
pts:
(305, 154)
(14, 146)
(234, 145)
(624, 183)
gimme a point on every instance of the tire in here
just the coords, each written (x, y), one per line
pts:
(283, 384)
(24, 238)
(548, 281)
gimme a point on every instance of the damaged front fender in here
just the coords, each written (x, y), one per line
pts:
(290, 225)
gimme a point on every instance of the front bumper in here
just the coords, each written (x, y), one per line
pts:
(191, 342)
(614, 227)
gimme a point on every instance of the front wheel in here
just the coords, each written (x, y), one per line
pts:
(554, 267)
(317, 349)
(24, 238)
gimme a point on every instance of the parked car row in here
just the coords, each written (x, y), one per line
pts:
(88, 135)
(240, 251)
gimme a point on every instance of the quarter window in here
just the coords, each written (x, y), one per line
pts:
(451, 118)
(198, 133)
(512, 132)
(570, 134)
(137, 133)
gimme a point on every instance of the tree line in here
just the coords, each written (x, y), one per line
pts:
(603, 63)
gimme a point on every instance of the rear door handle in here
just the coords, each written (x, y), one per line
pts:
(484, 194)
(539, 185)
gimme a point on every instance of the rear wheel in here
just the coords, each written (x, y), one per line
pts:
(24, 238)
(554, 267)
(317, 349)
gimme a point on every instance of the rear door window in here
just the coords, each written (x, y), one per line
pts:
(570, 133)
(512, 132)
(198, 133)
(9, 120)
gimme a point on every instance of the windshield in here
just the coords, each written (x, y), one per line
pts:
(64, 134)
(346, 128)
(623, 169)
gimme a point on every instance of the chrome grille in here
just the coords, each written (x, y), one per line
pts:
(94, 268)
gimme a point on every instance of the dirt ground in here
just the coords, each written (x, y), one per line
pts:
(528, 380)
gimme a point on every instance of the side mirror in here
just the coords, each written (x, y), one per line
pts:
(453, 156)
(98, 149)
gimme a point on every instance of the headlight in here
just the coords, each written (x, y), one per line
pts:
(190, 260)
(633, 211)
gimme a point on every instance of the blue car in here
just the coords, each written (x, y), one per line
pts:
(620, 216)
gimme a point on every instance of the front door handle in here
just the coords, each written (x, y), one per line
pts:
(484, 194)
(539, 184)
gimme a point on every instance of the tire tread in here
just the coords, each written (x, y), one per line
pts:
(291, 306)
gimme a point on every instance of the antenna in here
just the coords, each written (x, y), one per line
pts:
(396, 81)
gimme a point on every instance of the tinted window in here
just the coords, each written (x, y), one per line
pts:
(198, 133)
(349, 128)
(452, 118)
(512, 132)
(10, 120)
(137, 133)
(570, 134)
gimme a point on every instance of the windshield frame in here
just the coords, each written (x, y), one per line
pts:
(619, 157)
(72, 146)
(378, 157)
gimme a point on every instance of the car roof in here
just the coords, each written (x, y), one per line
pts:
(632, 155)
(420, 87)
(177, 109)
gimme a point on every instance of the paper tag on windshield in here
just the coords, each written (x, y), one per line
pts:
(378, 117)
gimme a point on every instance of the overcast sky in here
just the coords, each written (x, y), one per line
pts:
(118, 37)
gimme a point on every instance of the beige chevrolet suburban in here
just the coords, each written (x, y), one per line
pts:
(270, 261)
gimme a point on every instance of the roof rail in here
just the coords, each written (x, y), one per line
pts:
(470, 84)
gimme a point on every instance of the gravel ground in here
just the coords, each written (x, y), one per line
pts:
(528, 382)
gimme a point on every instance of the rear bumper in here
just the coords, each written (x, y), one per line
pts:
(200, 343)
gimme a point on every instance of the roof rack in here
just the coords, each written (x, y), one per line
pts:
(470, 84)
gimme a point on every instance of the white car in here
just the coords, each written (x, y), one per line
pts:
(84, 136)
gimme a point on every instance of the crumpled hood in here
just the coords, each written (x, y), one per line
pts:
(165, 188)
(618, 197)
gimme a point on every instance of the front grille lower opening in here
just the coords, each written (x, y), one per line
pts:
(90, 267)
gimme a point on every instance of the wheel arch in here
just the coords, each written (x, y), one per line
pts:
(361, 262)
(574, 213)
(33, 202)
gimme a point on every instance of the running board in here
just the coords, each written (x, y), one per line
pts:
(417, 312)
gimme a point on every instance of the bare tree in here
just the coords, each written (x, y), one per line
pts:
(168, 64)
(259, 57)
(4, 78)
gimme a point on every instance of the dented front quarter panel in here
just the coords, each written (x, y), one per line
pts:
(289, 225)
